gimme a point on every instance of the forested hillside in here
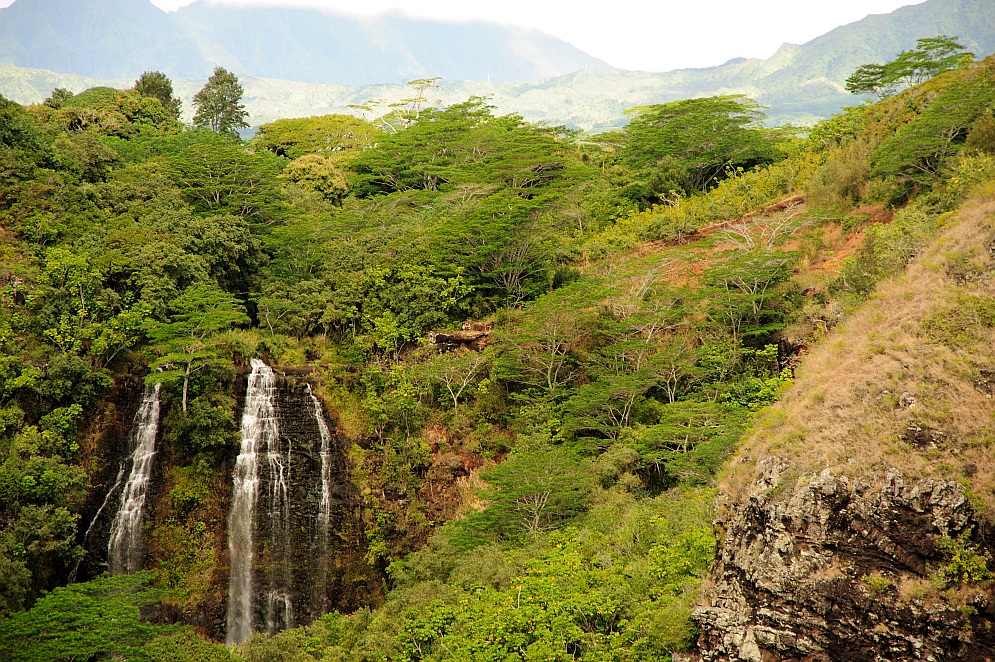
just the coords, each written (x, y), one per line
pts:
(536, 350)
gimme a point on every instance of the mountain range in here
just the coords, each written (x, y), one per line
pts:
(123, 38)
(296, 62)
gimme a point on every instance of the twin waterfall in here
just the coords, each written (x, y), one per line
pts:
(282, 504)
(273, 567)
(124, 548)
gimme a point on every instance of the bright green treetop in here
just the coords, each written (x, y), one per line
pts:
(931, 56)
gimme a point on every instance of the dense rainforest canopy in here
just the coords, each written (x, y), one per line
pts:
(544, 495)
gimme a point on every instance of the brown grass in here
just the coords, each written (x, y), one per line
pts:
(852, 398)
(468, 490)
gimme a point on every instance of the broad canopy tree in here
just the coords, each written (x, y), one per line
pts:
(185, 342)
(919, 149)
(930, 57)
(688, 145)
(332, 136)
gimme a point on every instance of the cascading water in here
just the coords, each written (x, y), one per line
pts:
(124, 548)
(281, 519)
(270, 505)
(325, 505)
(279, 608)
(258, 426)
(93, 522)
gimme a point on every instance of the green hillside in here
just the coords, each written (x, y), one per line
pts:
(537, 349)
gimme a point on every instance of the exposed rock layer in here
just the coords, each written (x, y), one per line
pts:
(823, 567)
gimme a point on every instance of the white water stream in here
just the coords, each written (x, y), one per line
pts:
(325, 505)
(259, 434)
(124, 548)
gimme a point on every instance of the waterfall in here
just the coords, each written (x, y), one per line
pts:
(124, 549)
(279, 574)
(279, 525)
(93, 522)
(325, 505)
(258, 426)
(260, 492)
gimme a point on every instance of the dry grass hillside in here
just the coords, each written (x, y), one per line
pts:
(906, 382)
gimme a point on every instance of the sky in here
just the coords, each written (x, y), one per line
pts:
(647, 35)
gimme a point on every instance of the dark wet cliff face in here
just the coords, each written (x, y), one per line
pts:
(300, 570)
(290, 555)
(826, 568)
(106, 459)
(318, 569)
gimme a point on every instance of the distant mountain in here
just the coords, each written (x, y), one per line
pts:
(123, 38)
(799, 84)
(103, 38)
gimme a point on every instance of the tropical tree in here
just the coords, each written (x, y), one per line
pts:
(218, 104)
(931, 56)
(332, 136)
(186, 341)
(456, 372)
(227, 180)
(59, 96)
(316, 173)
(744, 295)
(687, 145)
(156, 85)
(919, 149)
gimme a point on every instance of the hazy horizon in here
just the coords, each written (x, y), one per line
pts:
(730, 29)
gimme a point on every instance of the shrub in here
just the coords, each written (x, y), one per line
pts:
(981, 137)
(967, 565)
(842, 179)
(876, 582)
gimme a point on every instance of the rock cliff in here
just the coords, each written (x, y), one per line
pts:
(821, 567)
(858, 513)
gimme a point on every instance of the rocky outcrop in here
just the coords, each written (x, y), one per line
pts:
(474, 336)
(825, 567)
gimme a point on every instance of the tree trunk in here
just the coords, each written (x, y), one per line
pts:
(186, 384)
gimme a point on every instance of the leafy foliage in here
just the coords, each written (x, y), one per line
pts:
(313, 172)
(155, 84)
(218, 104)
(921, 148)
(93, 620)
(541, 347)
(333, 136)
(185, 340)
(930, 57)
(688, 145)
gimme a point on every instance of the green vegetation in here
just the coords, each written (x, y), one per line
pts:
(966, 564)
(545, 493)
(931, 56)
(686, 146)
(218, 104)
(155, 84)
(331, 136)
(95, 620)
